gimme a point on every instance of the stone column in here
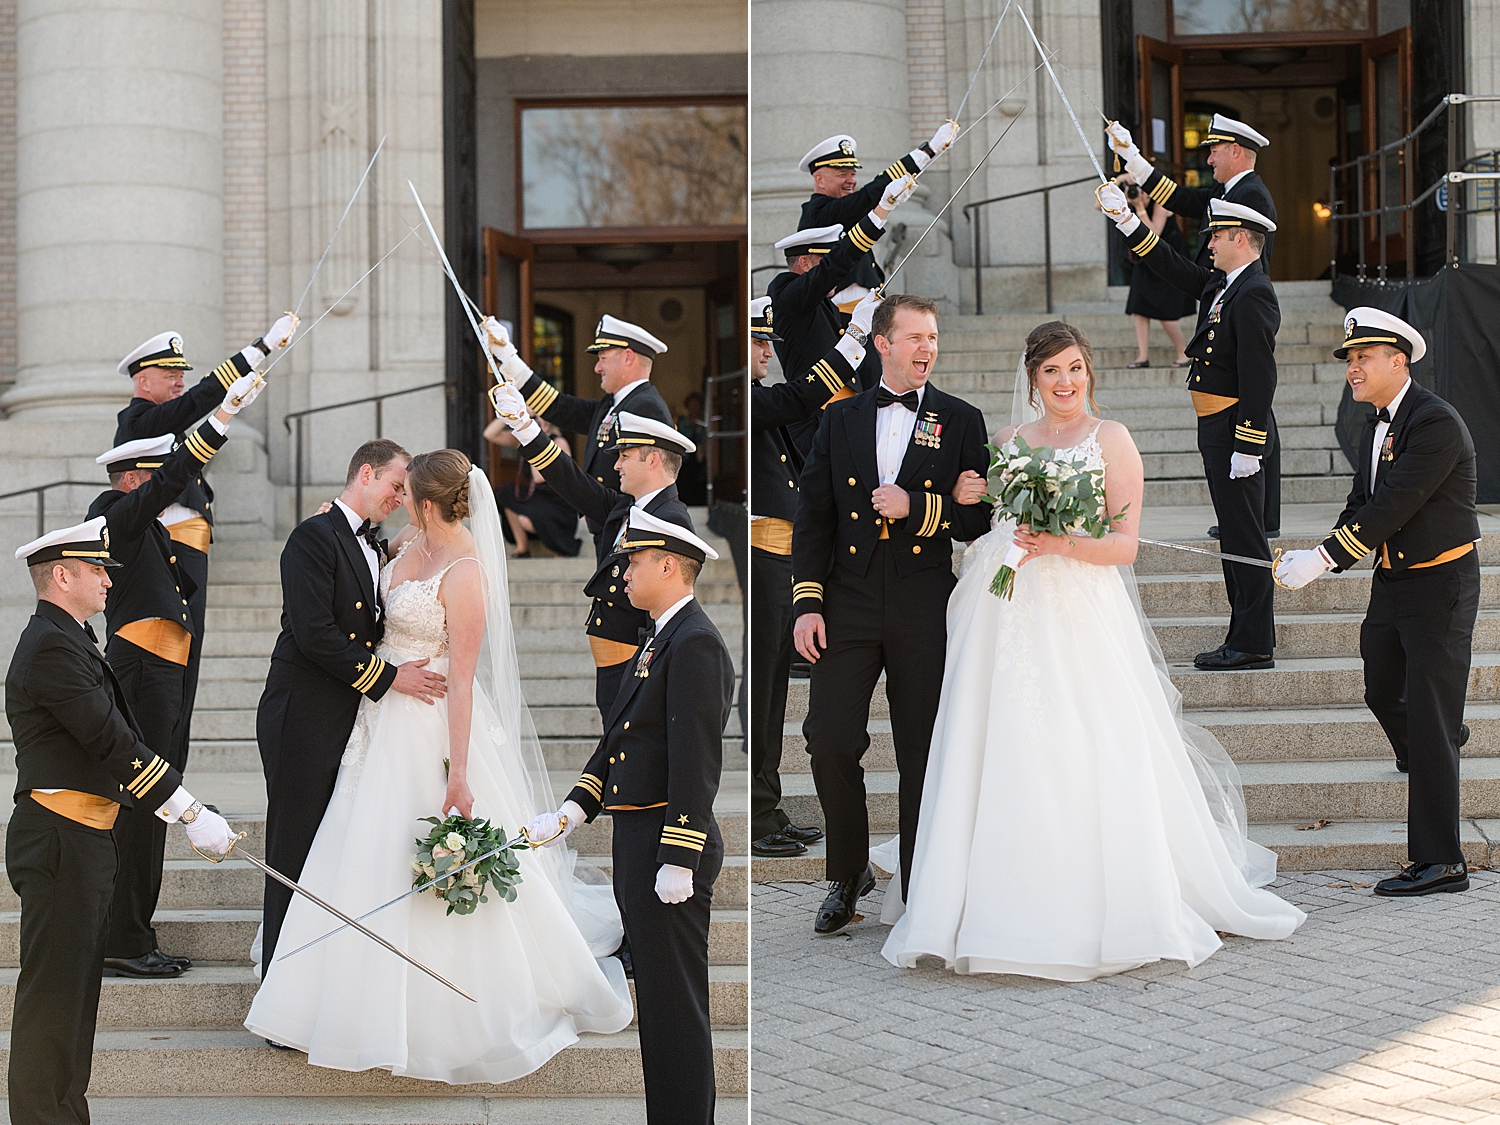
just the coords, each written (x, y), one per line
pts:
(119, 180)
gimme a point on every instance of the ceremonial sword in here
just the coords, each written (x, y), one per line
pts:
(335, 911)
(1269, 564)
(523, 838)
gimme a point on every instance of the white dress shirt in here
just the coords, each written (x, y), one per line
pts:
(1229, 279)
(619, 395)
(1383, 428)
(1236, 178)
(354, 521)
(661, 622)
(893, 429)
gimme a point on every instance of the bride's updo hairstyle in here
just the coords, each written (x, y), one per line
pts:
(1045, 341)
(441, 476)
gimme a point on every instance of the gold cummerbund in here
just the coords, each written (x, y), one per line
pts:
(157, 635)
(195, 533)
(1446, 556)
(608, 653)
(1205, 404)
(85, 808)
(772, 535)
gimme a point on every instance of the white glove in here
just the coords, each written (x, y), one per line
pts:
(673, 883)
(1298, 568)
(1243, 465)
(280, 334)
(510, 407)
(898, 192)
(549, 823)
(511, 365)
(1116, 206)
(1121, 141)
(210, 833)
(864, 313)
(943, 139)
(242, 392)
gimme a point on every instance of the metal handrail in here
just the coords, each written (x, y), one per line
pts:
(41, 499)
(1045, 192)
(299, 415)
(1402, 146)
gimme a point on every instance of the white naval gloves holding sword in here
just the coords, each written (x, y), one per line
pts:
(206, 830)
(1297, 568)
(1123, 143)
(941, 141)
(277, 337)
(673, 883)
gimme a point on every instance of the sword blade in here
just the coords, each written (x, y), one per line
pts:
(982, 57)
(1224, 555)
(337, 913)
(338, 227)
(463, 298)
(1067, 105)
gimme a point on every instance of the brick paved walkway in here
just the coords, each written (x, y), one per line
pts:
(1375, 1011)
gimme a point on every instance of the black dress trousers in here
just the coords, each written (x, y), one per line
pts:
(1415, 642)
(64, 873)
(881, 622)
(669, 950)
(607, 681)
(1240, 506)
(194, 563)
(771, 643)
(155, 689)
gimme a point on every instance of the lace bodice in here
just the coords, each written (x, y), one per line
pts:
(416, 624)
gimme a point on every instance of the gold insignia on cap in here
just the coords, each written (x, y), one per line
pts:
(177, 345)
(846, 148)
(1348, 326)
(768, 314)
(104, 536)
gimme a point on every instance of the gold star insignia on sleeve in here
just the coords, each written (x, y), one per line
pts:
(945, 525)
(136, 764)
(1355, 527)
(682, 819)
(810, 378)
(359, 667)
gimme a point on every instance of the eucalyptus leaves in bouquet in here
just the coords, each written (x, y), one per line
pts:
(1035, 487)
(452, 843)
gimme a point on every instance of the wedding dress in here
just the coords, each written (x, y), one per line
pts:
(539, 966)
(1072, 824)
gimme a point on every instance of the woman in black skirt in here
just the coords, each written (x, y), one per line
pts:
(1152, 298)
(531, 506)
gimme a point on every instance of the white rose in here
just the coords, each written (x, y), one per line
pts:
(454, 842)
(416, 867)
(439, 852)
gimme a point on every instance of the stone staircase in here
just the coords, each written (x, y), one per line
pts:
(176, 1050)
(1307, 748)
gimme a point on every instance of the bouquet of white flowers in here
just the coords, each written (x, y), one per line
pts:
(1036, 488)
(452, 843)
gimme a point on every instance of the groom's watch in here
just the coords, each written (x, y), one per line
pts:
(859, 334)
(190, 813)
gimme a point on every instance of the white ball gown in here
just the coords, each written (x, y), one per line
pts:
(1072, 825)
(540, 979)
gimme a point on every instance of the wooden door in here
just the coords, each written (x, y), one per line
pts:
(1386, 67)
(507, 296)
(1160, 96)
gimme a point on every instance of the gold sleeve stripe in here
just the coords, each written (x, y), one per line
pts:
(148, 777)
(591, 785)
(930, 514)
(896, 170)
(824, 370)
(547, 456)
(685, 831)
(1251, 436)
(1163, 190)
(541, 399)
(1147, 244)
(671, 838)
(1347, 540)
(861, 240)
(225, 373)
(802, 590)
(371, 675)
(199, 448)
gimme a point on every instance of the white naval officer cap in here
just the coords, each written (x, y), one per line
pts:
(87, 541)
(836, 151)
(142, 453)
(162, 350)
(1221, 214)
(612, 332)
(813, 240)
(761, 317)
(1226, 130)
(632, 430)
(1364, 326)
(645, 531)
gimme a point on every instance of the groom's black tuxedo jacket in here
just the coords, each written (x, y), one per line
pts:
(330, 617)
(836, 529)
(663, 740)
(1422, 502)
(611, 616)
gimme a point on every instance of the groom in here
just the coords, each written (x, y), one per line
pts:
(323, 662)
(872, 568)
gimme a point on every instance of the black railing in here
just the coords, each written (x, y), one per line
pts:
(973, 220)
(1368, 180)
(713, 454)
(299, 415)
(41, 499)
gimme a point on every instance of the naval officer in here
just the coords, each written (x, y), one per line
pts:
(668, 721)
(80, 762)
(1412, 504)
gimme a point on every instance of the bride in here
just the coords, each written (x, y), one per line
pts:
(539, 966)
(1073, 824)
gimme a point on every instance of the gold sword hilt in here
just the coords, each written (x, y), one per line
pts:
(219, 858)
(1276, 578)
(562, 826)
(508, 415)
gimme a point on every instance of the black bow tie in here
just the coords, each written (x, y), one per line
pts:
(1382, 415)
(646, 632)
(370, 533)
(885, 397)
(1215, 283)
(88, 631)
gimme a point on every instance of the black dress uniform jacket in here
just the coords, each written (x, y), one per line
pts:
(847, 210)
(150, 583)
(775, 460)
(1234, 348)
(809, 323)
(145, 419)
(72, 725)
(587, 416)
(1422, 502)
(1249, 191)
(611, 616)
(836, 525)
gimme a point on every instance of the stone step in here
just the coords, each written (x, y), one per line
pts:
(224, 594)
(219, 996)
(996, 379)
(1297, 635)
(1294, 462)
(1202, 595)
(1294, 490)
(228, 1062)
(265, 619)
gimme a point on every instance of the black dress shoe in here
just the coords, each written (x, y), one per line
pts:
(1213, 532)
(279, 1046)
(801, 670)
(623, 953)
(1425, 879)
(183, 961)
(1227, 660)
(777, 845)
(807, 835)
(1211, 652)
(837, 910)
(1400, 766)
(151, 966)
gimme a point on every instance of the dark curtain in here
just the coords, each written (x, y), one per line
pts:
(1117, 36)
(460, 229)
(1437, 36)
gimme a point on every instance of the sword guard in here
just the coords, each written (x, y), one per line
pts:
(218, 858)
(509, 416)
(1106, 210)
(562, 826)
(1276, 578)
